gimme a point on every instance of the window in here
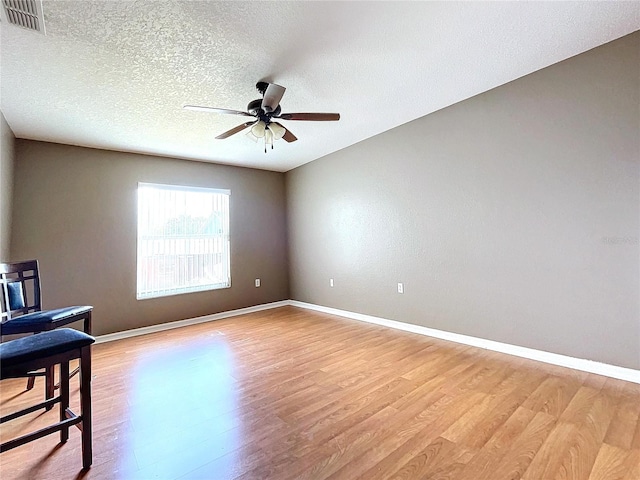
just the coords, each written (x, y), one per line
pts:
(183, 240)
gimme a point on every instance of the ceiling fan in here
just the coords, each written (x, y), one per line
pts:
(266, 110)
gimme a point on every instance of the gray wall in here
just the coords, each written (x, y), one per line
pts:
(75, 211)
(7, 158)
(512, 216)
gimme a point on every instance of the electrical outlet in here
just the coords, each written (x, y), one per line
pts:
(400, 288)
(257, 282)
(331, 282)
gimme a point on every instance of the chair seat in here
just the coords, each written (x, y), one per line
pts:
(27, 349)
(46, 350)
(44, 320)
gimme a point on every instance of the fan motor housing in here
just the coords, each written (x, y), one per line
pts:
(255, 108)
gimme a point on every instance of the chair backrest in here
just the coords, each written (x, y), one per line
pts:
(20, 289)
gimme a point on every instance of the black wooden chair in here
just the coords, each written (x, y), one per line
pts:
(21, 311)
(43, 351)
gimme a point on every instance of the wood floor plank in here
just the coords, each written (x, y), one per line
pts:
(580, 457)
(614, 463)
(325, 406)
(622, 429)
(496, 447)
(441, 454)
(520, 454)
(324, 430)
(553, 395)
(632, 466)
(548, 458)
(417, 428)
(407, 441)
(293, 394)
(635, 443)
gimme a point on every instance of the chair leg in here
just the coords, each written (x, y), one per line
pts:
(64, 399)
(87, 329)
(85, 406)
(87, 324)
(31, 381)
(49, 382)
(72, 374)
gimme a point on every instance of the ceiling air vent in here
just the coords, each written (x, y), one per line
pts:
(23, 13)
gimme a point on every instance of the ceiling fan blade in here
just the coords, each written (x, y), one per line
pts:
(315, 117)
(272, 96)
(198, 108)
(288, 136)
(234, 130)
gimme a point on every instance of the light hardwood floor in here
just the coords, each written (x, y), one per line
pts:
(289, 394)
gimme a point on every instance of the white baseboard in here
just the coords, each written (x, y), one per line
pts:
(622, 373)
(613, 371)
(189, 321)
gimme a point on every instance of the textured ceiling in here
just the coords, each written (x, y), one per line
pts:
(115, 74)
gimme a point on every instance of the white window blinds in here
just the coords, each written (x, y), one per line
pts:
(183, 240)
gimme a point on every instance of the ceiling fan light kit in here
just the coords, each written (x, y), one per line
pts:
(270, 133)
(265, 110)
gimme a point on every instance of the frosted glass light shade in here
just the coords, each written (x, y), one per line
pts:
(278, 130)
(258, 129)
